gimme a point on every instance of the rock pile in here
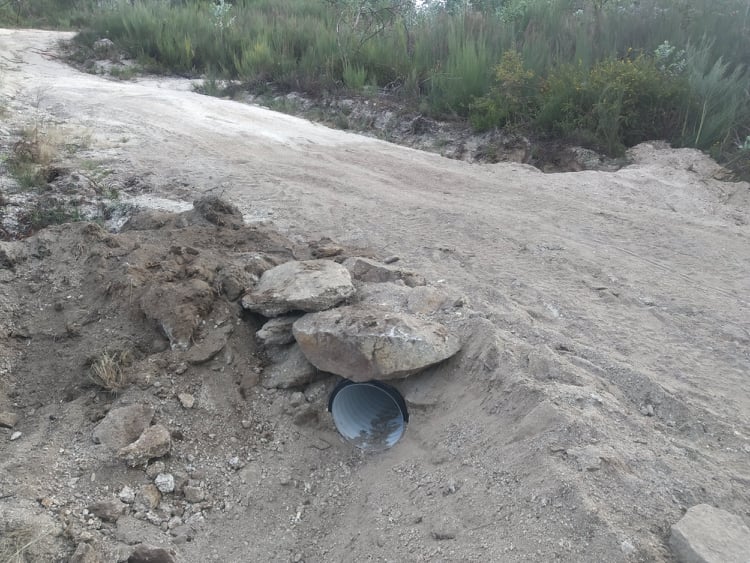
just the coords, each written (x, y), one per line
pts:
(359, 341)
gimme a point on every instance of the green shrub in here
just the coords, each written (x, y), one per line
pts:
(513, 99)
(719, 103)
(618, 103)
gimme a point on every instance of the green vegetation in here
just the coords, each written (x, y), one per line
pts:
(44, 154)
(108, 370)
(31, 157)
(46, 14)
(606, 73)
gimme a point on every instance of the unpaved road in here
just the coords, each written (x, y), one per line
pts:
(607, 390)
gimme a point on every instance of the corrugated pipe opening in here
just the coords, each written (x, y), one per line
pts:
(370, 415)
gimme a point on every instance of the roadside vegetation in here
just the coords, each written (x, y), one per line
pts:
(603, 73)
(51, 182)
(47, 14)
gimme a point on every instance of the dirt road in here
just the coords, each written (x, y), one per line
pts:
(605, 389)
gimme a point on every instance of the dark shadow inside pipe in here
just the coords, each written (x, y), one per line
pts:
(370, 415)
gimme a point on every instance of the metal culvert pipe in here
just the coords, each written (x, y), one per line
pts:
(370, 415)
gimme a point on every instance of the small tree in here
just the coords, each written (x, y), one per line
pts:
(363, 20)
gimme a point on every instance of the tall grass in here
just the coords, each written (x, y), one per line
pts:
(442, 57)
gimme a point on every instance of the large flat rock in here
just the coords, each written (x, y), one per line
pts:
(710, 535)
(310, 285)
(363, 343)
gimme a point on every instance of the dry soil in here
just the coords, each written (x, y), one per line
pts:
(601, 391)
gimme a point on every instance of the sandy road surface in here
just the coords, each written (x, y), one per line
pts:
(605, 297)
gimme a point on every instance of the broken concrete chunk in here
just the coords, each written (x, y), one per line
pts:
(290, 369)
(366, 270)
(710, 535)
(154, 442)
(123, 425)
(312, 285)
(363, 343)
(277, 331)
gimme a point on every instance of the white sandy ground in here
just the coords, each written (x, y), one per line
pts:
(601, 297)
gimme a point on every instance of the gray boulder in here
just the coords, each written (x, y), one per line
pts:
(311, 285)
(710, 535)
(362, 343)
(123, 425)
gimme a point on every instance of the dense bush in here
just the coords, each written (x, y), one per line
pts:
(512, 101)
(617, 103)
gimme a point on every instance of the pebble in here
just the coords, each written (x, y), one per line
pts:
(441, 535)
(186, 399)
(149, 497)
(15, 436)
(234, 462)
(154, 469)
(164, 482)
(127, 495)
(107, 510)
(627, 547)
(193, 494)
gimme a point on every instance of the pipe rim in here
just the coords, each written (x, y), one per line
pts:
(387, 393)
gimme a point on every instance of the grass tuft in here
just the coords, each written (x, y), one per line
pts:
(17, 543)
(107, 370)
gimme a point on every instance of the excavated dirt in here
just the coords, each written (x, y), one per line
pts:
(600, 392)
